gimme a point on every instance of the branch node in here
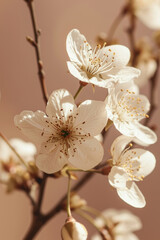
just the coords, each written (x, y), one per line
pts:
(39, 31)
(31, 41)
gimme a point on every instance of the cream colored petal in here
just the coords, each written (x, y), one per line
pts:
(60, 104)
(125, 74)
(120, 88)
(91, 117)
(147, 71)
(117, 54)
(118, 177)
(86, 153)
(5, 151)
(77, 72)
(32, 125)
(141, 163)
(52, 162)
(125, 128)
(26, 150)
(128, 222)
(132, 195)
(99, 137)
(100, 82)
(75, 43)
(118, 146)
(149, 15)
(129, 236)
(96, 237)
(145, 134)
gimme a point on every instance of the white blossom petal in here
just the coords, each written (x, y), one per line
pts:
(149, 14)
(125, 74)
(145, 134)
(60, 103)
(96, 237)
(26, 150)
(121, 54)
(132, 195)
(77, 72)
(127, 222)
(32, 125)
(129, 236)
(74, 44)
(87, 154)
(141, 164)
(91, 117)
(52, 162)
(125, 128)
(118, 177)
(118, 87)
(118, 146)
(148, 69)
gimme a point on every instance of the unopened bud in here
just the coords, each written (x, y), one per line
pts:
(75, 202)
(73, 230)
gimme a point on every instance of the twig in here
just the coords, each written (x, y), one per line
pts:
(37, 207)
(116, 23)
(35, 44)
(13, 149)
(30, 198)
(153, 84)
(131, 34)
(41, 219)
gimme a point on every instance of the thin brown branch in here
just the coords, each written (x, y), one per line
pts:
(13, 149)
(153, 85)
(41, 219)
(116, 23)
(35, 44)
(131, 35)
(37, 207)
(29, 197)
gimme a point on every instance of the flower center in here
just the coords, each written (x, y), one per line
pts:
(131, 165)
(65, 133)
(97, 61)
(129, 106)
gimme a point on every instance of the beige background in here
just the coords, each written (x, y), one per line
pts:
(20, 90)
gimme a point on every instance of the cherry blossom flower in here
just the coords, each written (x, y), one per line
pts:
(129, 165)
(99, 66)
(65, 134)
(13, 173)
(125, 107)
(148, 11)
(121, 224)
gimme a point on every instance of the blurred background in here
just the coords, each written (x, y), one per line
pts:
(20, 90)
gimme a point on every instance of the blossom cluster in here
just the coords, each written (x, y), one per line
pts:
(66, 133)
(67, 137)
(18, 169)
(121, 223)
